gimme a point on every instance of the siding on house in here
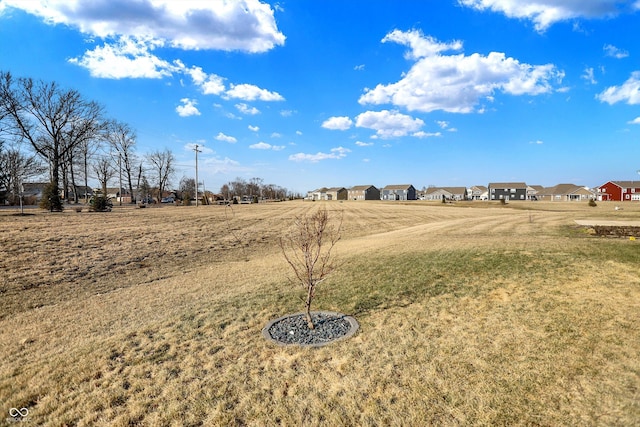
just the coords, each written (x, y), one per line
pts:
(534, 192)
(319, 194)
(336, 193)
(449, 193)
(34, 189)
(566, 193)
(398, 192)
(363, 192)
(119, 194)
(507, 191)
(619, 191)
(478, 192)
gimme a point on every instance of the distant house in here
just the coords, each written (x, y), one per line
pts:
(319, 194)
(619, 191)
(565, 193)
(534, 192)
(398, 192)
(82, 191)
(336, 193)
(447, 193)
(119, 194)
(34, 189)
(478, 192)
(363, 192)
(507, 191)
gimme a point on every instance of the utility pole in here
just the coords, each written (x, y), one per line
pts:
(120, 172)
(195, 148)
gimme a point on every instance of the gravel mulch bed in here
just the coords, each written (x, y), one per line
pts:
(293, 329)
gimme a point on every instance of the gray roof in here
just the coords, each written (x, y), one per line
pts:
(563, 189)
(362, 187)
(398, 187)
(627, 184)
(520, 185)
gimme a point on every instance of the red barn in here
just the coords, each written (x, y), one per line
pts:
(619, 191)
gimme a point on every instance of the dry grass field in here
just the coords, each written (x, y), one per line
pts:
(470, 314)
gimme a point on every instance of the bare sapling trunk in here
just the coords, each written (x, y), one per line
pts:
(307, 248)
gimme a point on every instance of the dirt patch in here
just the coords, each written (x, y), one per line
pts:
(616, 231)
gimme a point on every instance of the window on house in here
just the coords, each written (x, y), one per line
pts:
(513, 190)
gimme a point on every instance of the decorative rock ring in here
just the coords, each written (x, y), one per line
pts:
(293, 329)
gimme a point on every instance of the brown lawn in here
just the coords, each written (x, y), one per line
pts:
(471, 313)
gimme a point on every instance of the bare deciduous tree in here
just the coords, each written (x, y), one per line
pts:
(52, 119)
(187, 189)
(15, 168)
(308, 247)
(162, 163)
(105, 171)
(123, 140)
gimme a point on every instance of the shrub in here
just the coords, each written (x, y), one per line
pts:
(51, 199)
(592, 203)
(101, 203)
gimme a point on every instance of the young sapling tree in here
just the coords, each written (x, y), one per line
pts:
(308, 247)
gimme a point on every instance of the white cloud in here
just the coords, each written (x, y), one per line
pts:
(614, 52)
(127, 58)
(336, 154)
(629, 92)
(337, 123)
(364, 144)
(245, 109)
(264, 146)
(245, 25)
(455, 82)
(276, 135)
(226, 138)
(422, 134)
(588, 76)
(359, 67)
(537, 142)
(287, 113)
(388, 124)
(545, 13)
(210, 84)
(635, 121)
(443, 124)
(249, 92)
(253, 128)
(188, 108)
(224, 166)
(298, 132)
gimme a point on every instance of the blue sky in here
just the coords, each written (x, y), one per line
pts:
(305, 94)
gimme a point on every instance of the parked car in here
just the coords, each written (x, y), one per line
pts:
(169, 199)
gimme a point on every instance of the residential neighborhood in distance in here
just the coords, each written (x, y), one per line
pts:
(618, 191)
(615, 191)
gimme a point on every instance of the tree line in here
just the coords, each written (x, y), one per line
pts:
(255, 188)
(47, 128)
